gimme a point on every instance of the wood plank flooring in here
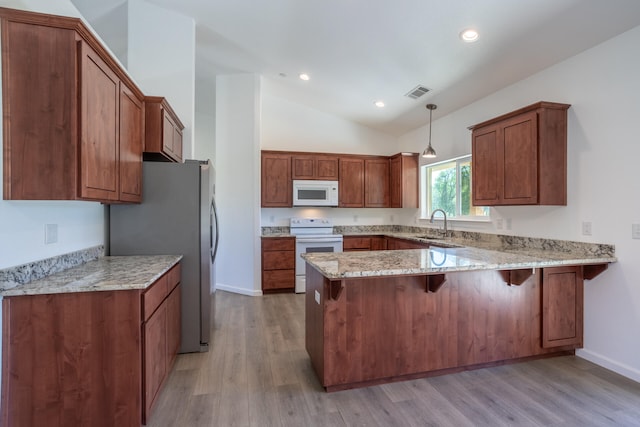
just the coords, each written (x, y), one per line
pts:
(257, 373)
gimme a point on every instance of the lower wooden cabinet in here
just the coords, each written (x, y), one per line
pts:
(161, 335)
(562, 306)
(88, 358)
(364, 243)
(394, 243)
(278, 264)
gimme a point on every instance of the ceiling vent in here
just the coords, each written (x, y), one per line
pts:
(417, 92)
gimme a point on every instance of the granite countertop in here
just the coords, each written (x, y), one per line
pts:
(439, 260)
(110, 273)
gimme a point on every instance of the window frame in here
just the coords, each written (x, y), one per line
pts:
(425, 193)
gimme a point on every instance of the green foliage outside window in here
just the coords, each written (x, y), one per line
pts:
(446, 193)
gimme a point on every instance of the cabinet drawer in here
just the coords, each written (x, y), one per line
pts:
(356, 243)
(278, 279)
(173, 277)
(278, 260)
(154, 296)
(279, 244)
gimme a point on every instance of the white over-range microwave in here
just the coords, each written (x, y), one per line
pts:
(315, 193)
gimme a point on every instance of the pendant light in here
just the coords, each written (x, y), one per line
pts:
(429, 152)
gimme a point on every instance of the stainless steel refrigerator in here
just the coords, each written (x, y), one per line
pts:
(177, 216)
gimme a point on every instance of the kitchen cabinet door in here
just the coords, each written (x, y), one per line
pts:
(356, 243)
(303, 167)
(276, 183)
(131, 143)
(403, 180)
(351, 185)
(562, 306)
(99, 115)
(376, 183)
(154, 356)
(394, 243)
(39, 101)
(487, 167)
(314, 166)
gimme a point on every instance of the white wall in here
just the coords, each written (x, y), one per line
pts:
(290, 126)
(603, 87)
(238, 182)
(161, 59)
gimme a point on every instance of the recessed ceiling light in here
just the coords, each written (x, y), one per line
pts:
(379, 104)
(304, 76)
(469, 35)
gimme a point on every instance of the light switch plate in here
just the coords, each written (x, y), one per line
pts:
(635, 231)
(586, 228)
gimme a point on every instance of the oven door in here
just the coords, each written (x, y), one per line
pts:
(313, 244)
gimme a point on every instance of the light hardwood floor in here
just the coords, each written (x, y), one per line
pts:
(257, 373)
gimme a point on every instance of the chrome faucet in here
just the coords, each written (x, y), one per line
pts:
(444, 214)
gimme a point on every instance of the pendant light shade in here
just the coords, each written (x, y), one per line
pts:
(429, 152)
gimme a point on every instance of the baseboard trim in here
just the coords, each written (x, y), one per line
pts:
(237, 290)
(612, 365)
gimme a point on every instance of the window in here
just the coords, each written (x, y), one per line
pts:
(448, 187)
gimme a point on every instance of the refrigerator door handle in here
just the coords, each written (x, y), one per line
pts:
(213, 223)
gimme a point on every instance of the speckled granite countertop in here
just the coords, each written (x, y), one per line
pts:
(438, 260)
(109, 273)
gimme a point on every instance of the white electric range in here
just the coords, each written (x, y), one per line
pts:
(312, 235)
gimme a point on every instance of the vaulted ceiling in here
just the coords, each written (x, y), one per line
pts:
(359, 51)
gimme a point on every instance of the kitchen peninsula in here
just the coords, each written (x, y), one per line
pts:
(382, 316)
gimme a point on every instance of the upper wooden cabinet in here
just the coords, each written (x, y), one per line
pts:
(131, 143)
(376, 183)
(73, 119)
(277, 189)
(403, 180)
(314, 166)
(163, 131)
(351, 185)
(363, 181)
(520, 158)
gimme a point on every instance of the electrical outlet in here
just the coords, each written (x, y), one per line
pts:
(50, 233)
(586, 228)
(635, 231)
(355, 218)
(508, 223)
(499, 223)
(392, 219)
